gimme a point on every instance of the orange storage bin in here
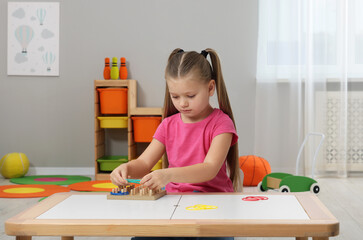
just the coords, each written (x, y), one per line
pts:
(145, 127)
(113, 100)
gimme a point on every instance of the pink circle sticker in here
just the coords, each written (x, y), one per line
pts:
(50, 179)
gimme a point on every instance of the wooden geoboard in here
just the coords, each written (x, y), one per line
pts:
(91, 214)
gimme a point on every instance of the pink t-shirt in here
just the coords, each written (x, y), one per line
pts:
(188, 144)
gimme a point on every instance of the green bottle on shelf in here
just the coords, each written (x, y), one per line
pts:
(114, 69)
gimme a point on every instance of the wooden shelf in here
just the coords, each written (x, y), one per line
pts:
(112, 83)
(146, 111)
(102, 176)
(133, 110)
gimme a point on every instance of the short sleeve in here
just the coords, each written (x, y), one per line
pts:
(224, 124)
(161, 132)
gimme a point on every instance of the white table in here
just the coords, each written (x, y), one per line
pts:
(299, 215)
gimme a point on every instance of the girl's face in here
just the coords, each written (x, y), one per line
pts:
(191, 97)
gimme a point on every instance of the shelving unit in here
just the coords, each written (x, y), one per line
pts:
(132, 110)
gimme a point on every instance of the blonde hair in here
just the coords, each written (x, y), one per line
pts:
(180, 64)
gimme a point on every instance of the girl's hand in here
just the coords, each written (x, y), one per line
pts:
(118, 175)
(156, 179)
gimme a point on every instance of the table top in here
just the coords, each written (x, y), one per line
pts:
(192, 214)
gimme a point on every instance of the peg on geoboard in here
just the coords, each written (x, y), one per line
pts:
(135, 193)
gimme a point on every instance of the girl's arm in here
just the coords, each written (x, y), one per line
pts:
(197, 173)
(139, 167)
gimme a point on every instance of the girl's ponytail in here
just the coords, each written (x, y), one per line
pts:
(225, 106)
(222, 94)
(169, 108)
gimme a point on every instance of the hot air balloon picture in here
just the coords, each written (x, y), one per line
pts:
(48, 60)
(24, 34)
(41, 12)
(33, 38)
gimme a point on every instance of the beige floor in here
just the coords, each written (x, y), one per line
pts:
(343, 197)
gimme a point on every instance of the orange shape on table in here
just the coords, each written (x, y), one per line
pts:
(94, 186)
(30, 191)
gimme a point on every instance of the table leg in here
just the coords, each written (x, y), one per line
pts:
(23, 238)
(302, 238)
(67, 238)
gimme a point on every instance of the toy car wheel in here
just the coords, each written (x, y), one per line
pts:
(315, 188)
(260, 188)
(284, 188)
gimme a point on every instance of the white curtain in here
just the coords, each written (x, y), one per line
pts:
(309, 73)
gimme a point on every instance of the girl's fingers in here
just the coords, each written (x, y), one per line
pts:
(117, 178)
(145, 179)
(150, 182)
(123, 176)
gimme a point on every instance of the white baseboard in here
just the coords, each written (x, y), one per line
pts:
(89, 171)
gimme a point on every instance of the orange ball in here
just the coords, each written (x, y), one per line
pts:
(254, 168)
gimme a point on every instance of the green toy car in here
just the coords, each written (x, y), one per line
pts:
(286, 182)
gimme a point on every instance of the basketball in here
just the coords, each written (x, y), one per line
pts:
(254, 168)
(14, 165)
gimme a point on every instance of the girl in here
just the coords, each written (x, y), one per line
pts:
(200, 142)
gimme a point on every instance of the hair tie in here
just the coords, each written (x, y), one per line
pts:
(180, 51)
(204, 53)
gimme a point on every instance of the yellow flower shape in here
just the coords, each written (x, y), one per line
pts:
(201, 207)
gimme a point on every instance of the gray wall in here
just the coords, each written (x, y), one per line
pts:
(51, 120)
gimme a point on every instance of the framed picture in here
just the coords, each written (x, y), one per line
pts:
(33, 38)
